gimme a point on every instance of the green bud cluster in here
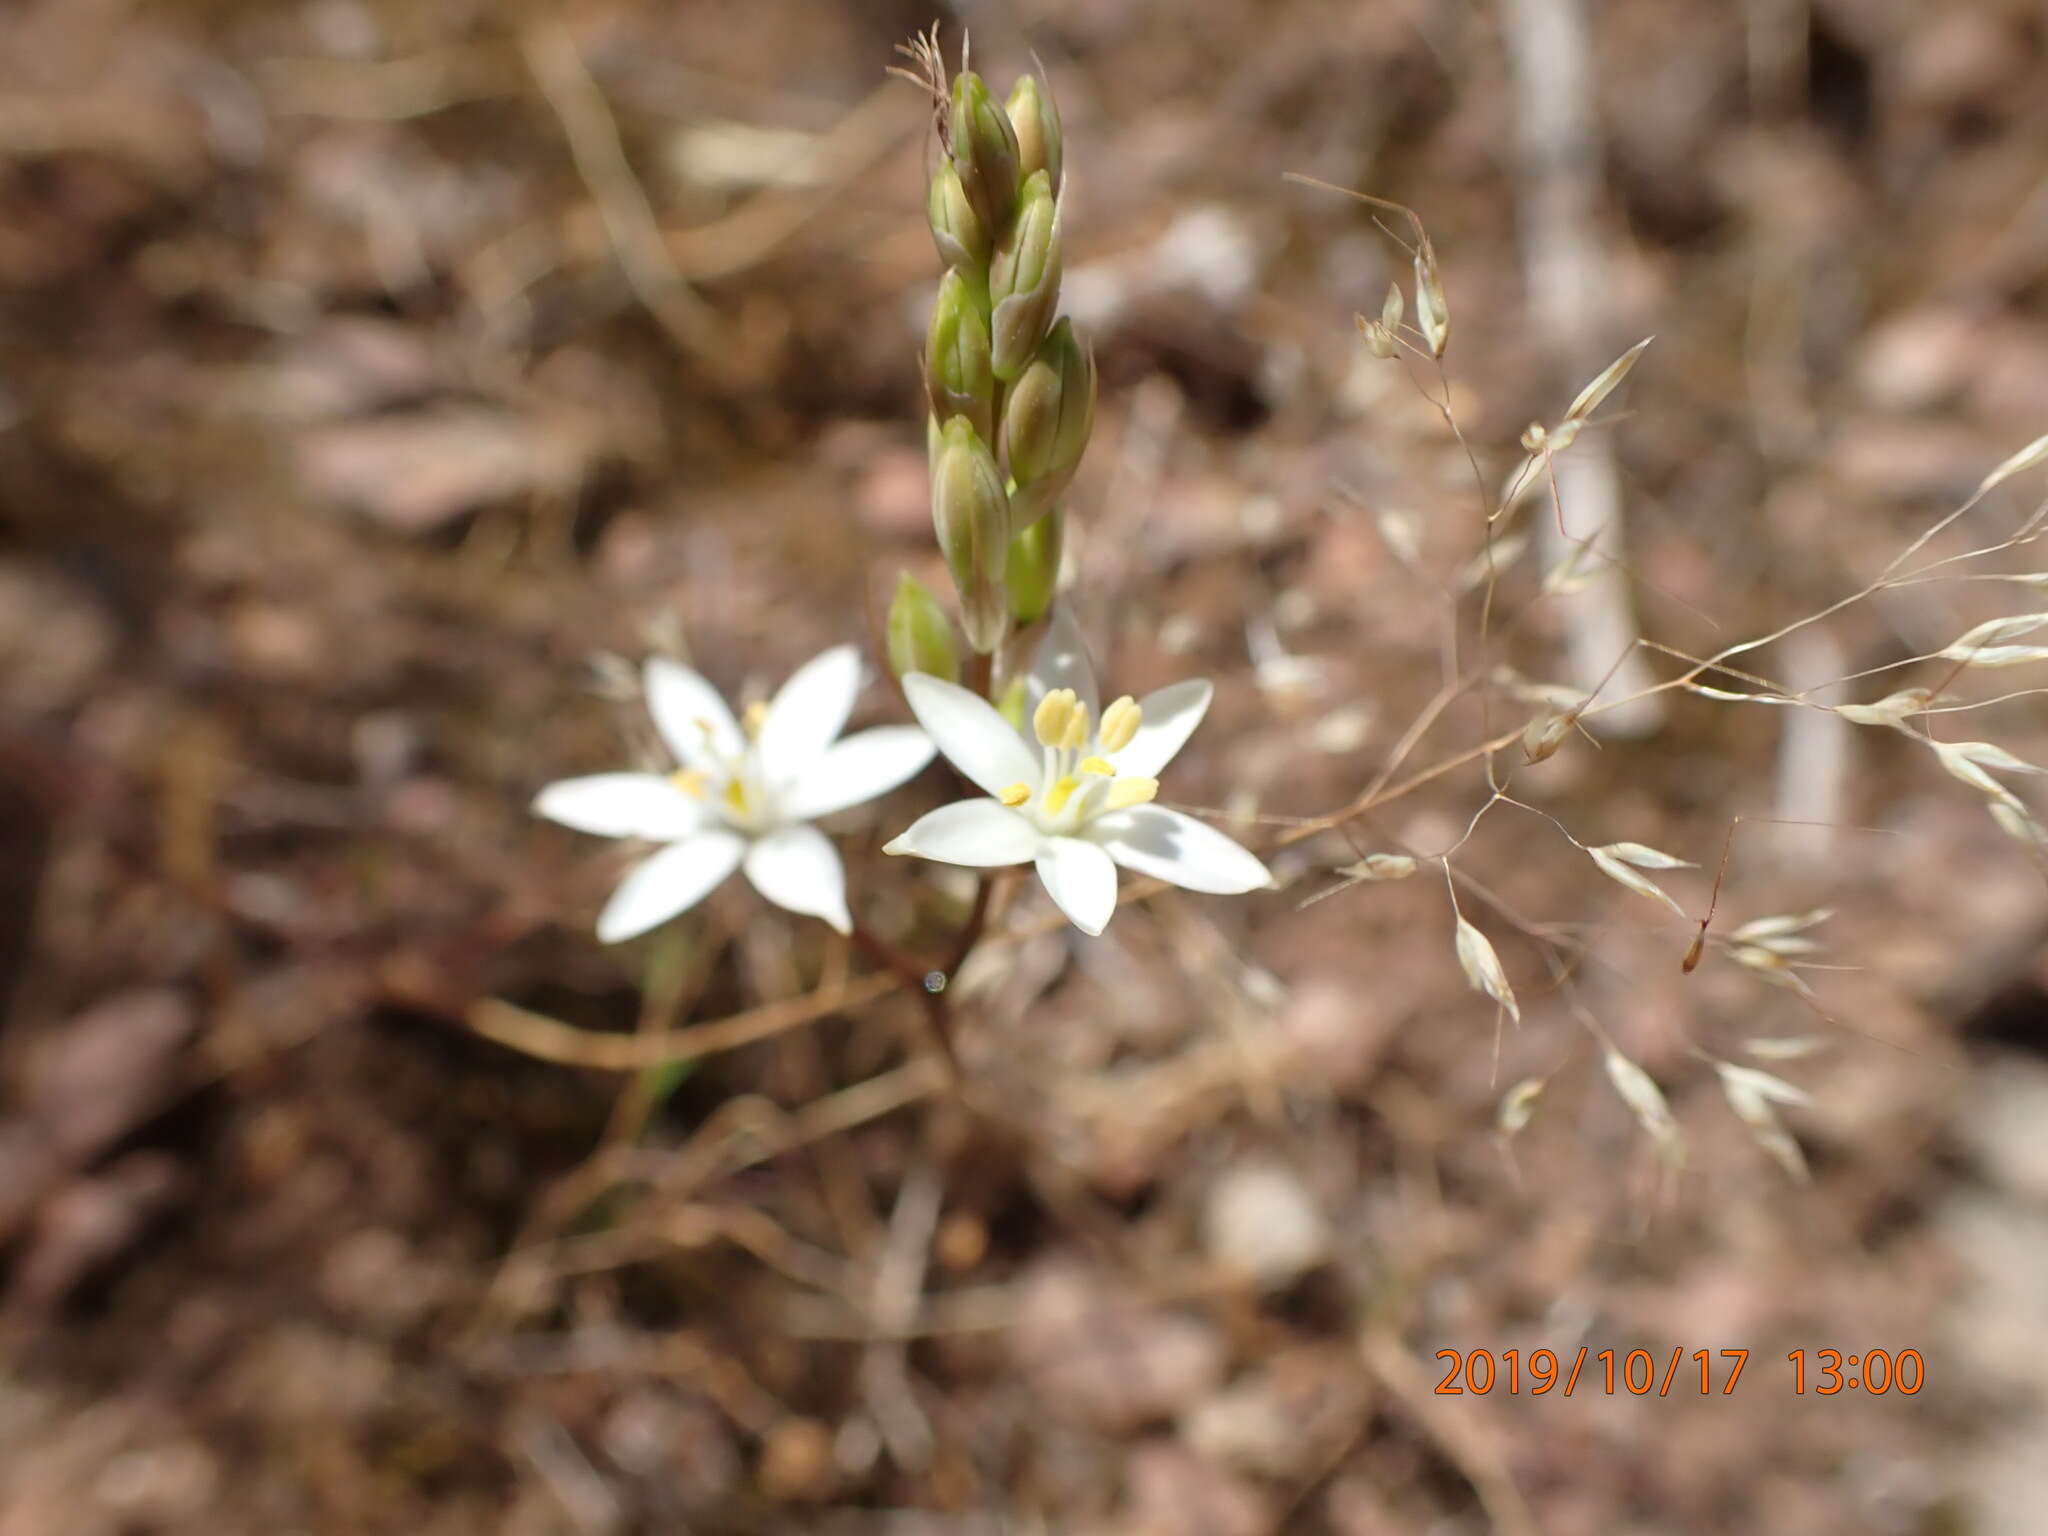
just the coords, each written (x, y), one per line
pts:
(1011, 384)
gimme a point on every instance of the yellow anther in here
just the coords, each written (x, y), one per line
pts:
(1049, 720)
(690, 781)
(1062, 791)
(1100, 766)
(1077, 729)
(1125, 793)
(1119, 724)
(736, 795)
(1016, 794)
(753, 718)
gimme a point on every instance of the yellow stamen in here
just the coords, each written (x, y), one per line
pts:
(736, 795)
(1125, 793)
(1077, 728)
(690, 781)
(754, 717)
(1119, 724)
(1016, 794)
(1062, 791)
(1100, 766)
(1049, 720)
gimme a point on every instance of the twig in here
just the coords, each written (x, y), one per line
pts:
(551, 1040)
(1466, 1442)
(629, 222)
(892, 1307)
(970, 934)
(928, 984)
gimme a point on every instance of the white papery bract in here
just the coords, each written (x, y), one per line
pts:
(745, 795)
(1072, 792)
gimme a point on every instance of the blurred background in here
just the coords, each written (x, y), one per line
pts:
(367, 367)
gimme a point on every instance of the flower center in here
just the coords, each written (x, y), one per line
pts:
(1075, 788)
(733, 783)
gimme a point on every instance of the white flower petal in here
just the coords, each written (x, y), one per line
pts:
(859, 768)
(621, 805)
(976, 740)
(808, 712)
(687, 709)
(1062, 661)
(1167, 717)
(1081, 881)
(1178, 849)
(979, 833)
(798, 869)
(671, 882)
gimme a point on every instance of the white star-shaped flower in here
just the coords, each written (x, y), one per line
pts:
(1074, 796)
(746, 794)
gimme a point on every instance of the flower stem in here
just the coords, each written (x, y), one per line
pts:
(921, 981)
(977, 920)
(981, 673)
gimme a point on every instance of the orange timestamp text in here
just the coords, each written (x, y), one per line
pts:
(1639, 1373)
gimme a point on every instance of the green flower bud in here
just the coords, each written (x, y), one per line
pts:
(1047, 419)
(1033, 568)
(963, 240)
(957, 371)
(919, 635)
(984, 147)
(971, 514)
(1024, 278)
(1037, 124)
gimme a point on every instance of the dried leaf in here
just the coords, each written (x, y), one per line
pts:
(1788, 944)
(1968, 760)
(1893, 709)
(1518, 1104)
(1432, 313)
(1694, 950)
(1403, 534)
(2034, 453)
(1994, 632)
(2018, 823)
(1789, 922)
(1783, 1047)
(1750, 1093)
(1647, 858)
(1482, 968)
(1589, 398)
(1537, 438)
(1617, 869)
(1753, 1082)
(1771, 967)
(1542, 736)
(2004, 656)
(1379, 341)
(1380, 866)
(1492, 560)
(1645, 1101)
(1727, 696)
